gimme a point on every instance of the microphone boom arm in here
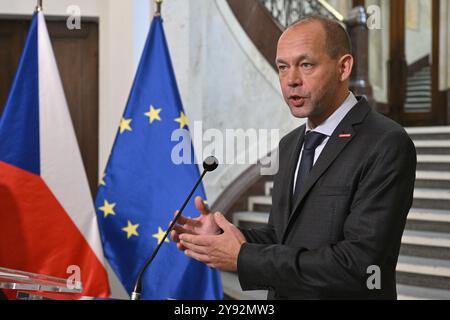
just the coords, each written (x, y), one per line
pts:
(136, 294)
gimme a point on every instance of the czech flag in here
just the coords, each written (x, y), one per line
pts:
(48, 223)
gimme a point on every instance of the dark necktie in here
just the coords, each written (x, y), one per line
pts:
(312, 141)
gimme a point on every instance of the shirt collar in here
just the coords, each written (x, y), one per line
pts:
(330, 124)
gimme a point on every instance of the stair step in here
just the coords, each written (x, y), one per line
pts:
(430, 193)
(433, 179)
(424, 266)
(433, 162)
(426, 76)
(406, 292)
(429, 133)
(259, 203)
(433, 158)
(426, 69)
(433, 175)
(420, 74)
(418, 87)
(429, 215)
(429, 239)
(432, 147)
(419, 80)
(423, 272)
(431, 150)
(422, 107)
(432, 198)
(416, 104)
(432, 143)
(423, 71)
(417, 100)
(232, 288)
(420, 250)
(419, 94)
(428, 220)
(428, 130)
(242, 219)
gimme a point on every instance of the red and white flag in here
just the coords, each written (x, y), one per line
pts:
(47, 217)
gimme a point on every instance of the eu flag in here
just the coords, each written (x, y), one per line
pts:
(143, 186)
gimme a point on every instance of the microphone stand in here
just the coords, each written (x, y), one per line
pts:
(208, 166)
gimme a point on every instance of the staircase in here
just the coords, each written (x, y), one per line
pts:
(423, 269)
(419, 91)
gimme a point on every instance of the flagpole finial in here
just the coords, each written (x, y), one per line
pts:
(158, 7)
(38, 6)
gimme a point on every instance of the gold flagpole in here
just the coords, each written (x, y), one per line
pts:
(158, 7)
(38, 6)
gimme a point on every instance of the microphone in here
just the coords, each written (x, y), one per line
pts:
(209, 164)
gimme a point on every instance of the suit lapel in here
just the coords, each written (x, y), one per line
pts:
(341, 137)
(333, 148)
(289, 173)
(293, 162)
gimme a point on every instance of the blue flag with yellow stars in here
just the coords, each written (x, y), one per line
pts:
(143, 186)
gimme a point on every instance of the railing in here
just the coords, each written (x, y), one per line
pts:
(286, 12)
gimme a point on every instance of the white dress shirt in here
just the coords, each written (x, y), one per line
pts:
(327, 128)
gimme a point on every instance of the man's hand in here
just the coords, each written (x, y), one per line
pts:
(202, 225)
(217, 251)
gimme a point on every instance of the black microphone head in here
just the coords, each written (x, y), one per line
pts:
(210, 164)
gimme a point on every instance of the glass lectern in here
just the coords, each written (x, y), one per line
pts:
(32, 286)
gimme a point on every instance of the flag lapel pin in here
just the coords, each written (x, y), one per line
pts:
(345, 135)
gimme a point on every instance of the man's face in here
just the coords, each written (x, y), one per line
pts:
(309, 77)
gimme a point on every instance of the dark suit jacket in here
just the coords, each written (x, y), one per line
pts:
(350, 216)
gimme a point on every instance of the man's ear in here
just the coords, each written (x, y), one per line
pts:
(345, 66)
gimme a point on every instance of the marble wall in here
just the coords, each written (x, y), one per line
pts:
(223, 79)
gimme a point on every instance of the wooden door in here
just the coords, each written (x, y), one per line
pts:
(76, 54)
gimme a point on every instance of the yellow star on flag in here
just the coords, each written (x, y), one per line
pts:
(182, 120)
(125, 125)
(160, 235)
(108, 208)
(153, 114)
(131, 230)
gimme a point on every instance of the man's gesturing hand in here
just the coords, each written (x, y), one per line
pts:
(217, 251)
(202, 225)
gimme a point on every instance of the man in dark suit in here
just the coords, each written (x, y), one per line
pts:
(342, 193)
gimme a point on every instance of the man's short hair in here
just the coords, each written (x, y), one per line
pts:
(337, 41)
